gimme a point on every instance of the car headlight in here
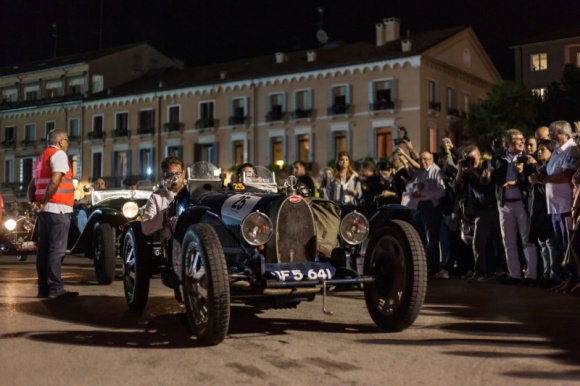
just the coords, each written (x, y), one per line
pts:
(130, 209)
(257, 229)
(10, 225)
(28, 225)
(354, 228)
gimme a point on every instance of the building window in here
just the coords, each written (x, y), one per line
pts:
(30, 132)
(302, 104)
(97, 165)
(121, 165)
(97, 132)
(206, 116)
(339, 141)
(466, 105)
(205, 152)
(174, 151)
(98, 83)
(54, 88)
(276, 107)
(339, 100)
(433, 140)
(434, 103)
(9, 137)
(26, 170)
(238, 150)
(539, 62)
(238, 115)
(10, 95)
(146, 168)
(146, 124)
(48, 127)
(74, 129)
(383, 94)
(8, 170)
(540, 92)
(303, 147)
(277, 151)
(121, 125)
(384, 142)
(452, 102)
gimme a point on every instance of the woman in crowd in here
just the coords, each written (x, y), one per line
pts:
(541, 228)
(344, 187)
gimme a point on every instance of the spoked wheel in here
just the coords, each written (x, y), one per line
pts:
(104, 253)
(396, 259)
(136, 269)
(205, 283)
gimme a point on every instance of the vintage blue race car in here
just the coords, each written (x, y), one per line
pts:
(254, 245)
(97, 224)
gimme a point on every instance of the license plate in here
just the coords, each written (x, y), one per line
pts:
(301, 271)
(28, 245)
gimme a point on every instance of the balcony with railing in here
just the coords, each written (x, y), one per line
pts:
(204, 123)
(453, 112)
(120, 133)
(97, 135)
(435, 106)
(145, 130)
(338, 109)
(301, 113)
(171, 127)
(275, 115)
(8, 144)
(382, 105)
(26, 143)
(238, 120)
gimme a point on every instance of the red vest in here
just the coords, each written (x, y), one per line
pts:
(65, 192)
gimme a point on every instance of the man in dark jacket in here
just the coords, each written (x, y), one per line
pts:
(470, 170)
(302, 175)
(509, 177)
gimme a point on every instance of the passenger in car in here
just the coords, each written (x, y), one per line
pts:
(158, 203)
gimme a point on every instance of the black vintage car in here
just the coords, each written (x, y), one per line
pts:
(97, 223)
(16, 237)
(253, 245)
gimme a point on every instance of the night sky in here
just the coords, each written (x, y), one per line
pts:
(210, 31)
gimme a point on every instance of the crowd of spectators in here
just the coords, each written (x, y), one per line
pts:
(506, 213)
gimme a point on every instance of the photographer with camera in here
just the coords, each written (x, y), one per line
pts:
(509, 178)
(480, 199)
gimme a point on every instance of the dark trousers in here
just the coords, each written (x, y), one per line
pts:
(427, 220)
(486, 225)
(51, 247)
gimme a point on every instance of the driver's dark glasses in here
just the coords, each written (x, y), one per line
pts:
(167, 176)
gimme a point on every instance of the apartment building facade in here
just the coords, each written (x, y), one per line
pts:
(277, 109)
(540, 61)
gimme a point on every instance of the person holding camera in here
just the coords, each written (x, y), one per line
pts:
(486, 221)
(509, 178)
(423, 193)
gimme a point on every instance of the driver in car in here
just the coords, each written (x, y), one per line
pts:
(158, 203)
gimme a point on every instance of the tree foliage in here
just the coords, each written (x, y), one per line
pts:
(509, 105)
(562, 99)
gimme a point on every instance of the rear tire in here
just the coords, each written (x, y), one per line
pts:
(395, 257)
(205, 284)
(104, 254)
(136, 269)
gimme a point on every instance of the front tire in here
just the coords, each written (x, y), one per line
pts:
(205, 284)
(104, 254)
(136, 269)
(395, 257)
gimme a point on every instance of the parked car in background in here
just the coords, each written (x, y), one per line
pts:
(97, 223)
(263, 248)
(16, 237)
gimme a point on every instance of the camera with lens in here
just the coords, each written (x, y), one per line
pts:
(467, 162)
(522, 159)
(404, 138)
(399, 141)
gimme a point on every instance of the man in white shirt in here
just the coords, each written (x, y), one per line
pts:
(422, 193)
(158, 203)
(559, 189)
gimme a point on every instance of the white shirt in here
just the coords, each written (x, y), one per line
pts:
(559, 195)
(153, 214)
(433, 187)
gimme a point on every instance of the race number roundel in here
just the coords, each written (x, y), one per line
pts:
(237, 207)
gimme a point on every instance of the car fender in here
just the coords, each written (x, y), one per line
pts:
(388, 213)
(104, 215)
(190, 216)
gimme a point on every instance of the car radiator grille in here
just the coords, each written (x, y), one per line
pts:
(294, 239)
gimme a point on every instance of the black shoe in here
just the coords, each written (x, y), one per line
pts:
(510, 281)
(527, 282)
(42, 295)
(62, 294)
